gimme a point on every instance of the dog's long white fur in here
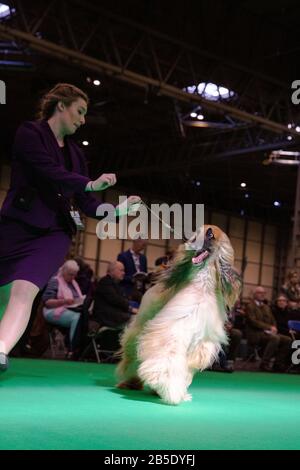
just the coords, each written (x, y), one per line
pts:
(185, 335)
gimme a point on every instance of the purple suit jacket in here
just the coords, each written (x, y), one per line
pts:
(38, 170)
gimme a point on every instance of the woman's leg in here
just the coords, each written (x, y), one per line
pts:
(68, 319)
(17, 313)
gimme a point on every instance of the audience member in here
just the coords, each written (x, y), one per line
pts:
(84, 277)
(261, 331)
(238, 315)
(60, 296)
(291, 288)
(281, 313)
(134, 262)
(111, 307)
(228, 356)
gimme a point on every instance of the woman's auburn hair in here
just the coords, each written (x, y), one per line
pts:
(64, 92)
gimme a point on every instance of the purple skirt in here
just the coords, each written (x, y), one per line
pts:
(30, 254)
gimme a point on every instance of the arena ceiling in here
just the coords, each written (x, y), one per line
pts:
(146, 54)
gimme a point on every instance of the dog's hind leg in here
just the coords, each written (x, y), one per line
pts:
(166, 373)
(127, 367)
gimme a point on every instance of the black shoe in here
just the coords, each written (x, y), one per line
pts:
(3, 362)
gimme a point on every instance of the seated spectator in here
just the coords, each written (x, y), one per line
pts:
(238, 315)
(294, 319)
(134, 262)
(261, 330)
(294, 310)
(61, 294)
(281, 313)
(84, 277)
(161, 264)
(111, 307)
(291, 288)
(164, 261)
(228, 356)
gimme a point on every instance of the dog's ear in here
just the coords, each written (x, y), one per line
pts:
(230, 283)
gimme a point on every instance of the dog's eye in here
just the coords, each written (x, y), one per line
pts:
(210, 233)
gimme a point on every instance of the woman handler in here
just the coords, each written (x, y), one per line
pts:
(36, 226)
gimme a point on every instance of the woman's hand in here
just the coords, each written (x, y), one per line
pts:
(129, 206)
(103, 182)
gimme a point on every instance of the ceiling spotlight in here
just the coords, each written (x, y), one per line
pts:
(96, 82)
(210, 91)
(85, 143)
(277, 204)
(4, 10)
(247, 196)
(297, 129)
(200, 117)
(198, 183)
(283, 157)
(289, 137)
(193, 115)
(243, 185)
(290, 125)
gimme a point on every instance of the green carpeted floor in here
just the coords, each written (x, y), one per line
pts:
(69, 405)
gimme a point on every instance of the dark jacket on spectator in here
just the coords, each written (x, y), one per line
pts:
(258, 319)
(282, 316)
(111, 308)
(126, 258)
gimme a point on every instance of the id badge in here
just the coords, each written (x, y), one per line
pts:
(77, 220)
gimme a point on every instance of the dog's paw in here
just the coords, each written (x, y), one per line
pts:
(188, 397)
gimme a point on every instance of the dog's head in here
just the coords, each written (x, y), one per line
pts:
(208, 248)
(209, 244)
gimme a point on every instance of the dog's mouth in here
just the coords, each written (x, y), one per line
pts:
(200, 257)
(206, 249)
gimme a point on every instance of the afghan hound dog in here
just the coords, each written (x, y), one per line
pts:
(179, 328)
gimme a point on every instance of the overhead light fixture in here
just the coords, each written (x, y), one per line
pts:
(201, 123)
(277, 203)
(4, 10)
(210, 91)
(243, 185)
(85, 143)
(96, 82)
(283, 157)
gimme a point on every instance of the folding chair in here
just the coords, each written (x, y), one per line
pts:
(294, 328)
(57, 340)
(102, 342)
(253, 353)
